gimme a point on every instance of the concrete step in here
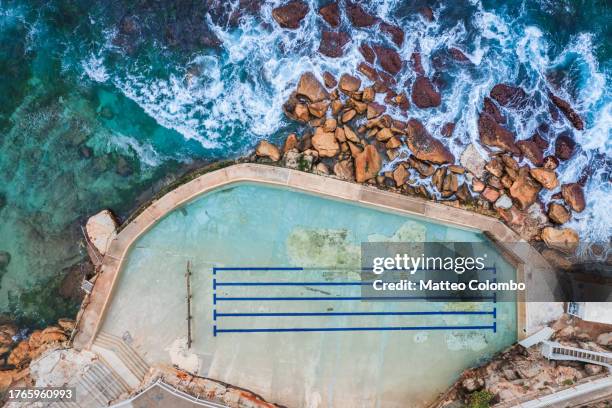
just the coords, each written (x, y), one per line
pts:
(130, 358)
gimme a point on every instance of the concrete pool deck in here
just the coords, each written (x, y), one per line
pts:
(525, 258)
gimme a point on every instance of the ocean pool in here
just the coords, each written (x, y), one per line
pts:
(253, 225)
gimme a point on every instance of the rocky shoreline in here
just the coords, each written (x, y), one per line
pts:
(519, 374)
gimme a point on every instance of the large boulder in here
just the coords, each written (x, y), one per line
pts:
(349, 83)
(508, 95)
(310, 87)
(267, 149)
(331, 14)
(332, 43)
(558, 213)
(562, 239)
(525, 189)
(568, 111)
(493, 134)
(358, 16)
(345, 170)
(367, 164)
(574, 196)
(424, 94)
(547, 178)
(565, 146)
(101, 229)
(531, 151)
(473, 161)
(388, 59)
(325, 143)
(424, 146)
(291, 14)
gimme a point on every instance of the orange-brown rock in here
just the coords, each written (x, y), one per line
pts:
(424, 169)
(355, 150)
(329, 80)
(495, 167)
(68, 325)
(384, 134)
(348, 115)
(424, 146)
(267, 149)
(558, 213)
(525, 190)
(20, 355)
(325, 143)
(393, 143)
(291, 142)
(310, 87)
(424, 94)
(368, 94)
(490, 194)
(574, 196)
(350, 135)
(336, 106)
(344, 169)
(563, 239)
(332, 43)
(367, 164)
(375, 110)
(547, 178)
(349, 83)
(340, 136)
(358, 16)
(318, 109)
(388, 59)
(301, 112)
(329, 125)
(399, 175)
(493, 134)
(478, 185)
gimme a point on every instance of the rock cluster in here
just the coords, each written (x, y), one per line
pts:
(16, 354)
(524, 373)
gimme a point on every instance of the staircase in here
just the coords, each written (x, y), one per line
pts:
(556, 351)
(97, 387)
(123, 358)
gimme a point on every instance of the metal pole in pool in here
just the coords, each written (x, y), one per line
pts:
(188, 279)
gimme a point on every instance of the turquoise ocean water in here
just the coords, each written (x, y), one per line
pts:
(102, 103)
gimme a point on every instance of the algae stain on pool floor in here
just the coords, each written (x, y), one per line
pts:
(254, 225)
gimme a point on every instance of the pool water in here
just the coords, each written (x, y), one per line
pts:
(252, 225)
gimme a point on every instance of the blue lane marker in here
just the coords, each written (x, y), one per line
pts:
(304, 314)
(360, 283)
(347, 329)
(231, 299)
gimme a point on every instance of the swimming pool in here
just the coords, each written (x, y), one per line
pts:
(254, 225)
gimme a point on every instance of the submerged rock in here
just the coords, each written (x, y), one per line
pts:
(568, 111)
(332, 43)
(565, 146)
(367, 52)
(5, 259)
(531, 151)
(508, 95)
(424, 146)
(331, 14)
(367, 164)
(424, 95)
(396, 33)
(358, 16)
(291, 14)
(388, 59)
